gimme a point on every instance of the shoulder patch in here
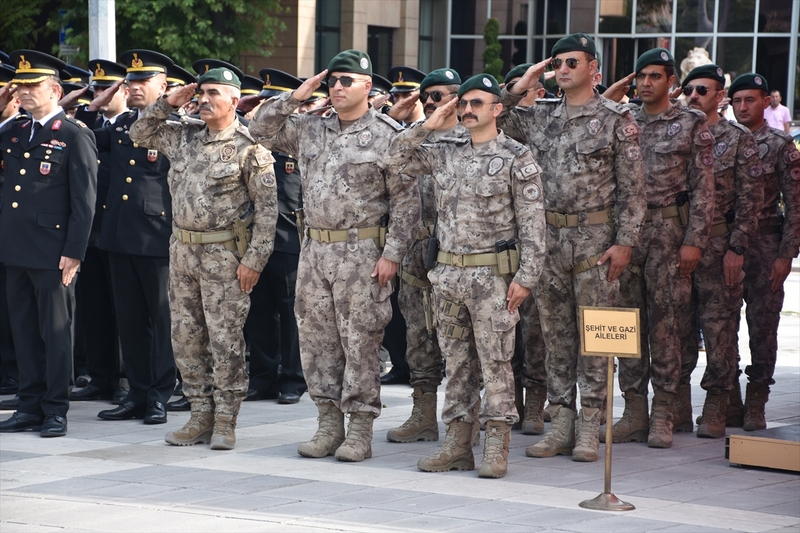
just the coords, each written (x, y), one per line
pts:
(76, 122)
(631, 130)
(705, 138)
(263, 157)
(390, 121)
(614, 106)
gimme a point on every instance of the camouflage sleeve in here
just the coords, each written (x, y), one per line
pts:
(701, 185)
(749, 187)
(405, 213)
(529, 212)
(631, 196)
(512, 119)
(152, 130)
(406, 152)
(788, 172)
(276, 126)
(259, 177)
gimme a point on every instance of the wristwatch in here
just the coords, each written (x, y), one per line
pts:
(738, 250)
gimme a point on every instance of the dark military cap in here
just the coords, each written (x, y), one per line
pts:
(481, 82)
(6, 74)
(4, 57)
(178, 76)
(711, 71)
(354, 61)
(577, 42)
(221, 75)
(405, 79)
(440, 76)
(143, 64)
(380, 85)
(748, 81)
(105, 73)
(201, 66)
(519, 71)
(656, 56)
(251, 85)
(84, 99)
(34, 67)
(276, 82)
(76, 75)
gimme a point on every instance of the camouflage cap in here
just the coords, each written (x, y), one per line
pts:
(480, 82)
(440, 76)
(577, 42)
(748, 81)
(656, 56)
(712, 72)
(221, 75)
(354, 61)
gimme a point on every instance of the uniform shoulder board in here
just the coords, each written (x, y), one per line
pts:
(516, 147)
(390, 121)
(244, 132)
(77, 122)
(739, 126)
(614, 106)
(696, 112)
(782, 134)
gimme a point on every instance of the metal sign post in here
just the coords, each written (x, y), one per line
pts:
(609, 332)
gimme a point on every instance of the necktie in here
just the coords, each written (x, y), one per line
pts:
(36, 127)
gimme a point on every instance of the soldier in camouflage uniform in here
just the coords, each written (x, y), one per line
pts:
(678, 170)
(422, 354)
(718, 277)
(221, 182)
(487, 191)
(588, 147)
(768, 259)
(342, 299)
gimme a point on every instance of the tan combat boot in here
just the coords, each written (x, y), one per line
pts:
(495, 449)
(587, 435)
(660, 435)
(196, 431)
(734, 417)
(358, 444)
(682, 410)
(632, 427)
(455, 452)
(422, 424)
(224, 435)
(329, 435)
(754, 406)
(560, 440)
(533, 423)
(714, 413)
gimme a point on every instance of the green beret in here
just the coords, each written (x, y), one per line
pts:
(517, 72)
(221, 75)
(577, 42)
(440, 76)
(354, 61)
(748, 81)
(481, 82)
(656, 56)
(712, 72)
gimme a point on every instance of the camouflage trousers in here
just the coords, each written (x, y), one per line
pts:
(558, 295)
(531, 345)
(476, 334)
(341, 312)
(208, 309)
(717, 313)
(422, 353)
(664, 298)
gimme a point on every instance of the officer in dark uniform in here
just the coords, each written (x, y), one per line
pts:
(76, 79)
(50, 163)
(136, 228)
(178, 77)
(271, 328)
(380, 87)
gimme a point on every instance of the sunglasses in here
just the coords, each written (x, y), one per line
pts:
(436, 96)
(702, 90)
(346, 81)
(476, 104)
(571, 62)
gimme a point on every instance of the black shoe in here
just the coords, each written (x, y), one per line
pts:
(180, 405)
(90, 392)
(126, 411)
(9, 385)
(82, 381)
(54, 426)
(155, 414)
(288, 397)
(394, 379)
(119, 396)
(254, 395)
(21, 422)
(10, 405)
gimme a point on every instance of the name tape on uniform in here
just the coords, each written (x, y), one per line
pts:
(610, 331)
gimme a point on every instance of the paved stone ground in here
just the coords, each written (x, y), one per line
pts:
(121, 476)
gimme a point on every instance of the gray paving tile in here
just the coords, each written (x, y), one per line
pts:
(549, 518)
(750, 500)
(316, 491)
(179, 496)
(791, 487)
(690, 528)
(126, 492)
(73, 486)
(493, 510)
(790, 508)
(253, 484)
(245, 502)
(429, 523)
(618, 524)
(284, 450)
(200, 478)
(367, 517)
(7, 456)
(484, 527)
(306, 509)
(428, 503)
(369, 497)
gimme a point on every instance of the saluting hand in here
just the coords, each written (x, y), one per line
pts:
(440, 116)
(617, 91)
(530, 78)
(675, 93)
(249, 103)
(180, 96)
(104, 97)
(6, 95)
(306, 90)
(404, 106)
(69, 101)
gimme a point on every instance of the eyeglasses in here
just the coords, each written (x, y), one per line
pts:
(436, 96)
(571, 62)
(702, 90)
(346, 81)
(476, 104)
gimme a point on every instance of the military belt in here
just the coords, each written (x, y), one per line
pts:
(770, 230)
(671, 211)
(720, 229)
(467, 260)
(562, 220)
(202, 237)
(412, 280)
(587, 264)
(341, 235)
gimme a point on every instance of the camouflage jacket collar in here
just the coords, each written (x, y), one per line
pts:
(489, 148)
(588, 109)
(763, 132)
(332, 122)
(675, 108)
(204, 135)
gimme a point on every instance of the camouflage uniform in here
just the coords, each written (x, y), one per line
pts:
(341, 311)
(215, 179)
(739, 193)
(591, 161)
(678, 160)
(483, 195)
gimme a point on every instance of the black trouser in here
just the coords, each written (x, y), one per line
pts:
(394, 337)
(143, 320)
(8, 359)
(271, 328)
(41, 316)
(95, 320)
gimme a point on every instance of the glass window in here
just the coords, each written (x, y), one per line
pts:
(735, 55)
(466, 56)
(736, 15)
(582, 16)
(693, 16)
(425, 55)
(775, 16)
(328, 29)
(463, 18)
(379, 48)
(772, 59)
(618, 59)
(510, 13)
(557, 17)
(615, 16)
(653, 16)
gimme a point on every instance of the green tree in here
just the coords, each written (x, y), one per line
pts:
(493, 64)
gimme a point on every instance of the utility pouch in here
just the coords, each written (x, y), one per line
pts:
(682, 201)
(241, 235)
(503, 267)
(433, 247)
(513, 255)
